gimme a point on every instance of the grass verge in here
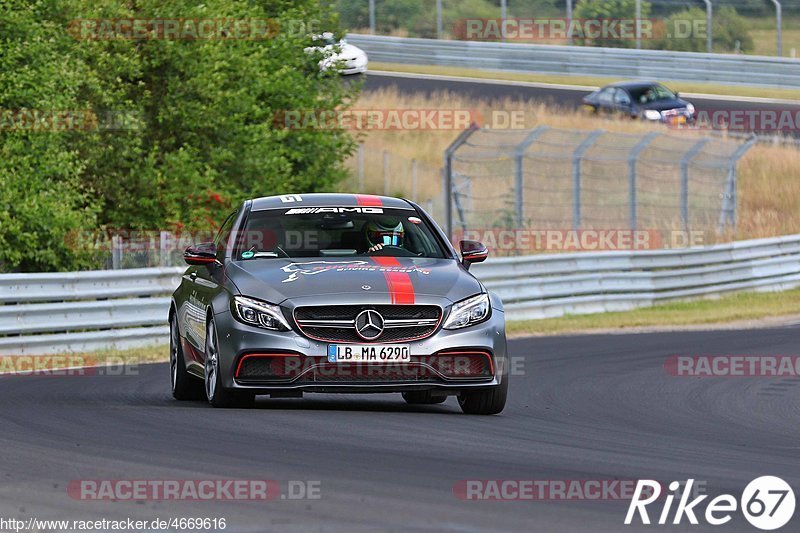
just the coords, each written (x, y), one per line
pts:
(741, 307)
(589, 81)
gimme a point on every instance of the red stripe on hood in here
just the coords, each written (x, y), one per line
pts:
(401, 289)
(368, 200)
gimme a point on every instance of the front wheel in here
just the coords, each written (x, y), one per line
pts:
(184, 386)
(217, 395)
(485, 402)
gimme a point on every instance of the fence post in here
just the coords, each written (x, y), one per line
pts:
(687, 158)
(360, 159)
(727, 214)
(633, 157)
(116, 252)
(709, 20)
(569, 21)
(503, 16)
(779, 26)
(519, 173)
(385, 172)
(447, 177)
(165, 247)
(372, 17)
(439, 23)
(414, 180)
(577, 156)
(638, 24)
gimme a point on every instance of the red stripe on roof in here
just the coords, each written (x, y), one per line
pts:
(368, 200)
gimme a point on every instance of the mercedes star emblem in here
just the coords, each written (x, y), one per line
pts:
(369, 324)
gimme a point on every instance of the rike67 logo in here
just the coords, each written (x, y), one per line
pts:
(767, 503)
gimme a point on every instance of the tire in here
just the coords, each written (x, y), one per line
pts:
(185, 387)
(487, 401)
(423, 398)
(216, 394)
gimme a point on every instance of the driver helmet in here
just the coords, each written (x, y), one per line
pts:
(387, 232)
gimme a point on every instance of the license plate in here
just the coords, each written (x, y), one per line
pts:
(368, 353)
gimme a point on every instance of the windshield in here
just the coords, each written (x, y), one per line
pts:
(326, 39)
(651, 93)
(336, 232)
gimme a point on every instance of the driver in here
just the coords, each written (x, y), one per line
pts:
(380, 233)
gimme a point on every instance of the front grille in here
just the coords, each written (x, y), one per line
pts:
(336, 323)
(295, 368)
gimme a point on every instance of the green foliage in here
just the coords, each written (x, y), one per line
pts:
(417, 18)
(199, 134)
(614, 10)
(686, 31)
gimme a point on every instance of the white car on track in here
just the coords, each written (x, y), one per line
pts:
(350, 58)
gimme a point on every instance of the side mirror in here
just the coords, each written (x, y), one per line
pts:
(201, 254)
(473, 252)
(677, 94)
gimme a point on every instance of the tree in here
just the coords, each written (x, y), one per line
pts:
(199, 132)
(611, 10)
(686, 31)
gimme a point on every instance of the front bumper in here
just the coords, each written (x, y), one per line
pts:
(239, 342)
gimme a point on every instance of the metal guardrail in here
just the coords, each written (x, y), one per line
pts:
(84, 311)
(588, 61)
(533, 287)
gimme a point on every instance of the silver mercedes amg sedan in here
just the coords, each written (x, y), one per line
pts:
(335, 293)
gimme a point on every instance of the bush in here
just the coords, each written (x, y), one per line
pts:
(728, 27)
(609, 10)
(201, 136)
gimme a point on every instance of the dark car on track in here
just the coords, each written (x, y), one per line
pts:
(641, 99)
(336, 293)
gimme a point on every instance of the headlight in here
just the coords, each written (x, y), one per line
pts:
(652, 114)
(259, 314)
(468, 312)
(690, 109)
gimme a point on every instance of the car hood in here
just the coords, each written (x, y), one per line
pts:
(348, 51)
(389, 280)
(663, 105)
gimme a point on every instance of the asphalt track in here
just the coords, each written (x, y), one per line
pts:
(563, 96)
(580, 408)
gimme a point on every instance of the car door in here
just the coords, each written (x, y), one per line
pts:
(605, 100)
(622, 102)
(205, 282)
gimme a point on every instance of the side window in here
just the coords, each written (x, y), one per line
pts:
(221, 240)
(606, 96)
(622, 98)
